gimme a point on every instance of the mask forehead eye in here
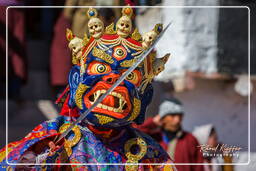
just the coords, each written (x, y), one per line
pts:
(119, 53)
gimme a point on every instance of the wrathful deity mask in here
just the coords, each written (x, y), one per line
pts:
(100, 60)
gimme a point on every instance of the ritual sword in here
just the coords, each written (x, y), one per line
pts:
(121, 79)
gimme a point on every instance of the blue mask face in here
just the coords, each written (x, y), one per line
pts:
(103, 66)
(99, 61)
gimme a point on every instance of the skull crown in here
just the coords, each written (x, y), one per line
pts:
(123, 28)
(121, 33)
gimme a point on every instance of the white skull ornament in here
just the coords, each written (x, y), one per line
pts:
(124, 26)
(148, 38)
(96, 27)
(76, 45)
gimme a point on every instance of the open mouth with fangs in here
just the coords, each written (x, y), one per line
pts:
(117, 104)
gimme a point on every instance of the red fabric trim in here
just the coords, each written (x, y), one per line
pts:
(115, 36)
(88, 44)
(62, 94)
(105, 133)
(133, 41)
(67, 111)
(110, 36)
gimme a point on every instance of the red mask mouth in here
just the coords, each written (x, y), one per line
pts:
(117, 104)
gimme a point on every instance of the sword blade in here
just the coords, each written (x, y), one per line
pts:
(121, 79)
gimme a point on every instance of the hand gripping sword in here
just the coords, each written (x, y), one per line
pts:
(140, 59)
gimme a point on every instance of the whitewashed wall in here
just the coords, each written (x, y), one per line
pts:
(191, 39)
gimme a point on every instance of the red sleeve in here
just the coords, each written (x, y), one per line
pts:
(150, 128)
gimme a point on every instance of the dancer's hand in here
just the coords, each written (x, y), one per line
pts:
(157, 120)
(53, 147)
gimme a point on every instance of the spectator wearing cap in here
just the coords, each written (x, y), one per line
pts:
(166, 128)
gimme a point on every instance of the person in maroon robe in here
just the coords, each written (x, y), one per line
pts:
(17, 60)
(59, 61)
(166, 128)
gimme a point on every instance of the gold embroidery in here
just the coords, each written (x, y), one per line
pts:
(75, 60)
(103, 119)
(69, 34)
(156, 28)
(85, 39)
(168, 168)
(136, 35)
(136, 109)
(3, 153)
(134, 158)
(83, 59)
(152, 67)
(127, 63)
(71, 142)
(102, 55)
(110, 29)
(132, 46)
(79, 95)
(148, 70)
(148, 65)
(9, 149)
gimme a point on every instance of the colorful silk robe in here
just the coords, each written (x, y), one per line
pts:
(90, 149)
